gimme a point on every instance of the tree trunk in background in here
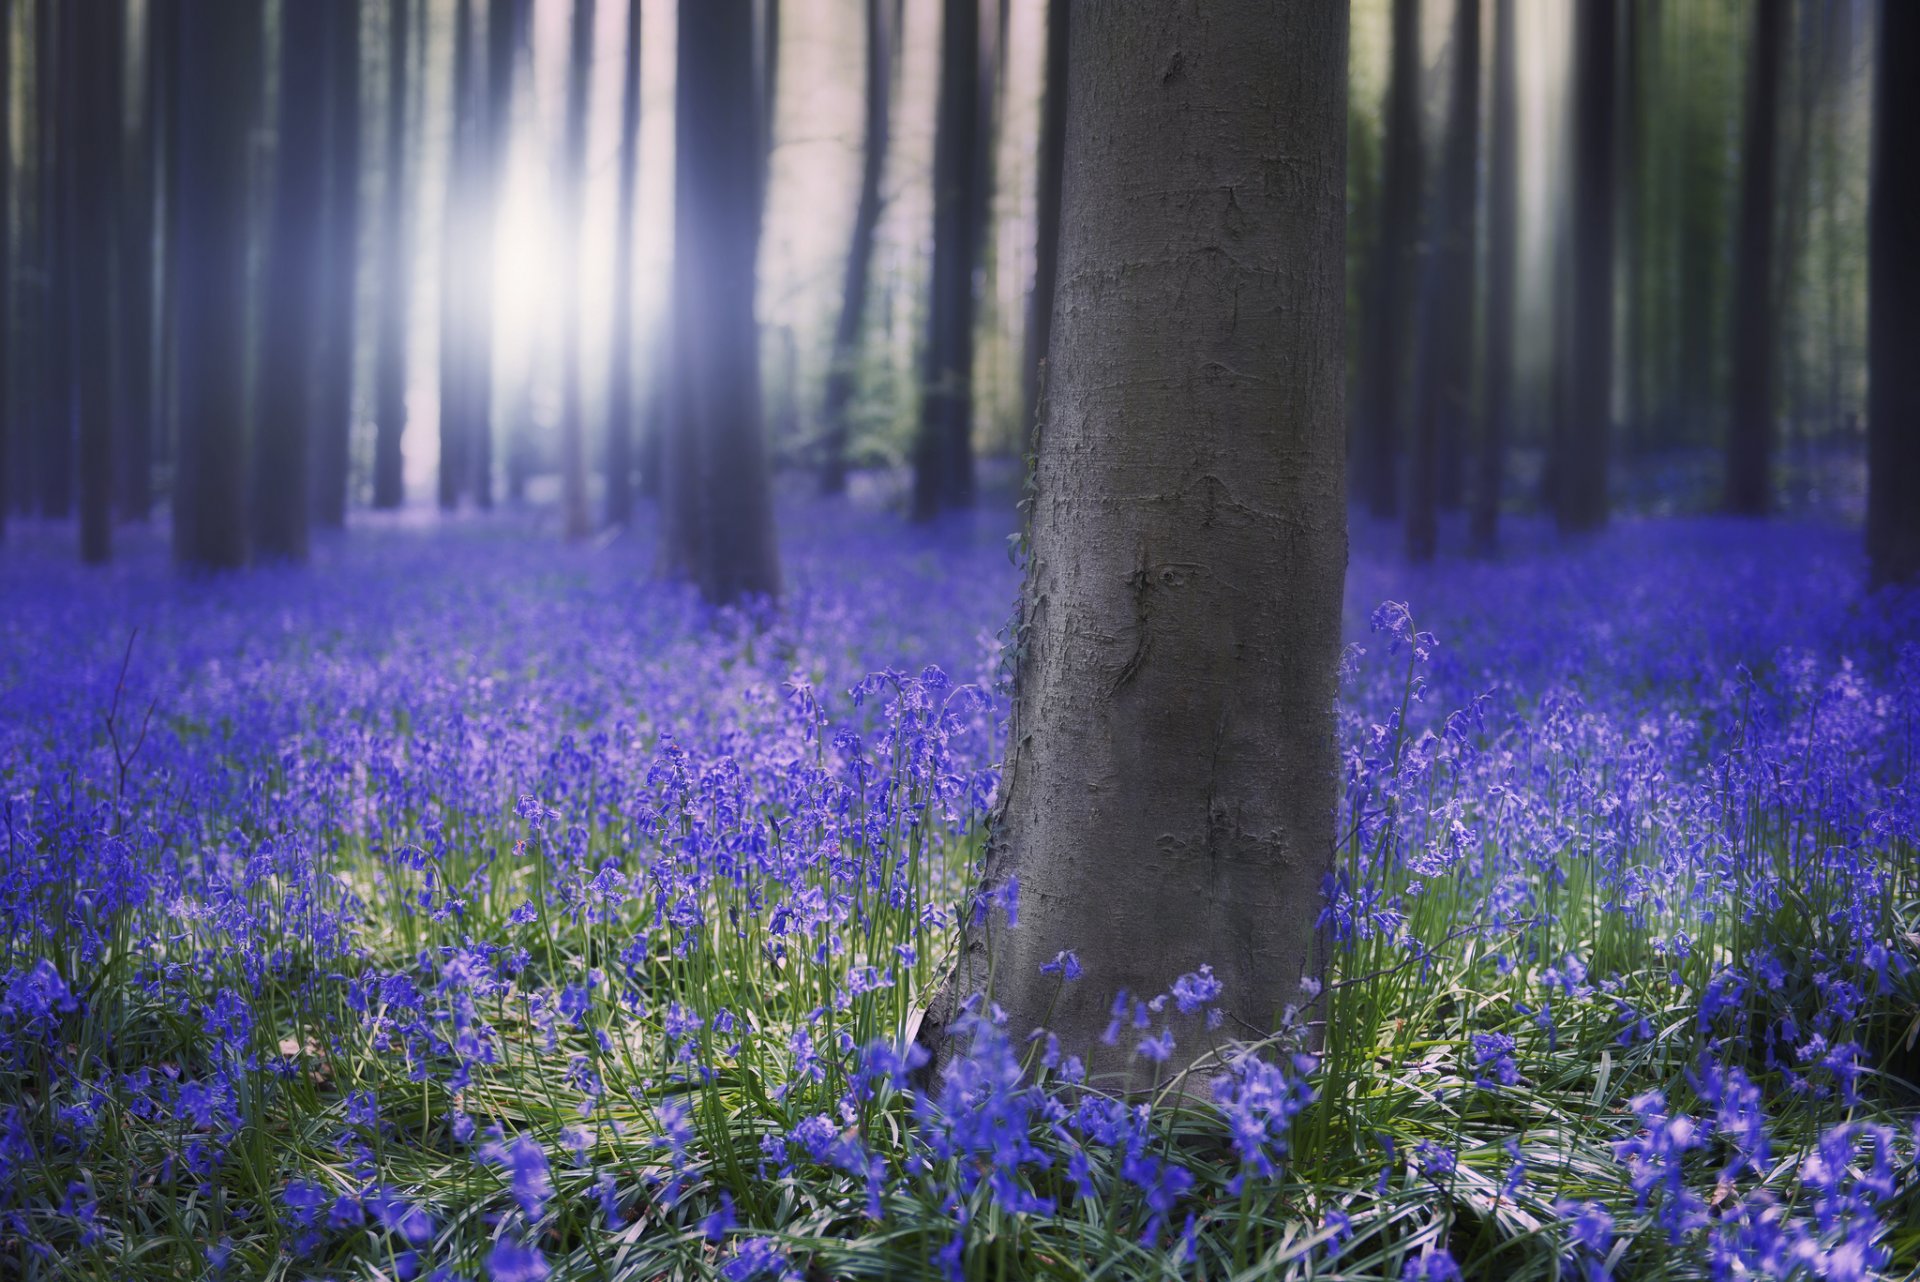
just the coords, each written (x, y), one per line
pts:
(1635, 39)
(1445, 396)
(766, 65)
(1893, 305)
(573, 178)
(8, 401)
(1046, 254)
(333, 401)
(844, 367)
(396, 266)
(620, 398)
(133, 310)
(460, 264)
(164, 17)
(503, 42)
(1750, 420)
(719, 514)
(215, 85)
(55, 92)
(1170, 784)
(943, 448)
(1383, 361)
(1580, 480)
(1503, 217)
(95, 155)
(293, 299)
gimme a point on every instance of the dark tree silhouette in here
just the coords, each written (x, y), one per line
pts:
(1503, 217)
(396, 264)
(1446, 305)
(54, 65)
(1382, 359)
(97, 39)
(718, 523)
(1753, 326)
(133, 287)
(333, 401)
(843, 369)
(295, 269)
(1580, 475)
(1046, 253)
(943, 448)
(7, 391)
(573, 428)
(1893, 292)
(216, 84)
(620, 397)
(461, 264)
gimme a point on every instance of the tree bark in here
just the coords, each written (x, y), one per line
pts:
(719, 513)
(461, 263)
(620, 398)
(1046, 253)
(97, 39)
(1893, 304)
(943, 448)
(573, 429)
(133, 434)
(1446, 308)
(1749, 476)
(1580, 478)
(54, 66)
(216, 82)
(843, 370)
(1503, 217)
(1383, 361)
(8, 424)
(333, 405)
(396, 286)
(1169, 793)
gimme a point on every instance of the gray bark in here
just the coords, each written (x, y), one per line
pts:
(1580, 464)
(396, 261)
(1893, 304)
(1169, 791)
(1503, 217)
(1750, 412)
(573, 428)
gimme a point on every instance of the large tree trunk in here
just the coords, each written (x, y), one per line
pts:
(1750, 421)
(96, 155)
(620, 398)
(1893, 307)
(333, 404)
(54, 65)
(1383, 360)
(293, 292)
(461, 264)
(133, 434)
(215, 84)
(943, 448)
(396, 268)
(719, 513)
(1046, 251)
(1170, 784)
(843, 370)
(1580, 477)
(1503, 217)
(1446, 304)
(573, 428)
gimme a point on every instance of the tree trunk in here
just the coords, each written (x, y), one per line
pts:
(460, 264)
(396, 268)
(503, 42)
(719, 514)
(133, 436)
(1580, 479)
(215, 85)
(1893, 305)
(1046, 253)
(8, 404)
(1446, 308)
(1382, 363)
(1169, 793)
(843, 371)
(293, 292)
(943, 448)
(573, 429)
(1503, 217)
(620, 399)
(96, 42)
(333, 404)
(54, 66)
(1750, 423)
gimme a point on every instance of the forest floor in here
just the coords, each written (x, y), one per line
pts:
(467, 905)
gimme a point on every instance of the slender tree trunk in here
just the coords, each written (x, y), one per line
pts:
(620, 397)
(8, 393)
(503, 42)
(1446, 310)
(54, 65)
(216, 82)
(719, 514)
(133, 434)
(1503, 216)
(1749, 474)
(943, 448)
(573, 430)
(333, 404)
(396, 267)
(1580, 481)
(1046, 254)
(1382, 364)
(164, 15)
(1170, 784)
(1893, 303)
(97, 42)
(295, 265)
(843, 370)
(460, 264)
